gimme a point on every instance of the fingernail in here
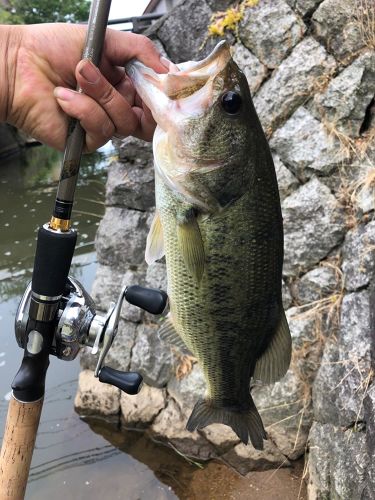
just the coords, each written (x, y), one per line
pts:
(165, 62)
(89, 72)
(64, 94)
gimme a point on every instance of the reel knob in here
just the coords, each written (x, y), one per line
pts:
(129, 382)
(149, 299)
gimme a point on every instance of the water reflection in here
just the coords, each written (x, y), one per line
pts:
(27, 191)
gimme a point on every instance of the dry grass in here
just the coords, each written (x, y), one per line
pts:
(184, 365)
(365, 18)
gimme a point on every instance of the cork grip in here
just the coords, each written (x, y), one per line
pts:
(18, 446)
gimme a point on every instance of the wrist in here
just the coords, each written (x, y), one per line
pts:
(10, 41)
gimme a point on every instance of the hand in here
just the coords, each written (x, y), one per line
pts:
(43, 72)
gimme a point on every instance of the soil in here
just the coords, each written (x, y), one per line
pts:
(213, 480)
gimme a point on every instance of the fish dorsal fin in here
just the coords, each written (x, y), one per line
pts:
(168, 333)
(190, 243)
(274, 362)
(155, 241)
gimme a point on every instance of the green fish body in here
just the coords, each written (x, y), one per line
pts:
(219, 223)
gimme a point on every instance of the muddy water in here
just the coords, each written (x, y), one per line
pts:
(74, 458)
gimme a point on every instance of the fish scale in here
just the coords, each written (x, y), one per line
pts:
(219, 223)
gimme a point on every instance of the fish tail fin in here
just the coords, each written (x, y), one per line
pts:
(244, 423)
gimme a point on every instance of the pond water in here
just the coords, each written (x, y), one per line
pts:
(70, 460)
(73, 458)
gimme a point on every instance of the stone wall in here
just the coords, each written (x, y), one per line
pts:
(311, 69)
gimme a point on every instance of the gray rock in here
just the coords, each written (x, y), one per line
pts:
(95, 398)
(328, 377)
(304, 7)
(245, 458)
(287, 297)
(119, 356)
(369, 413)
(286, 181)
(220, 4)
(254, 70)
(270, 30)
(306, 147)
(121, 237)
(170, 426)
(107, 287)
(87, 360)
(221, 436)
(286, 413)
(359, 256)
(134, 152)
(141, 409)
(313, 224)
(346, 366)
(151, 357)
(189, 389)
(156, 276)
(131, 187)
(308, 328)
(364, 195)
(344, 103)
(337, 463)
(317, 284)
(336, 26)
(292, 83)
(191, 18)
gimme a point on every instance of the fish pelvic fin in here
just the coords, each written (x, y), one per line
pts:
(191, 244)
(274, 362)
(155, 241)
(246, 424)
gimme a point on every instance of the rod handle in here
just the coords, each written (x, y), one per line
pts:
(17, 449)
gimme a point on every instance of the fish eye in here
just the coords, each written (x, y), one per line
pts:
(231, 102)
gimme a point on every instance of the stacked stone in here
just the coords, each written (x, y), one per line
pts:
(311, 70)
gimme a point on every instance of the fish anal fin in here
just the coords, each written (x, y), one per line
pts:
(167, 332)
(244, 423)
(274, 362)
(155, 241)
(191, 245)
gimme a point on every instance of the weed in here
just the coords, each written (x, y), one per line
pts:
(229, 19)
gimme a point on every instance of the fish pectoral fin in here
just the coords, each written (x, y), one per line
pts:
(274, 362)
(155, 241)
(168, 333)
(191, 245)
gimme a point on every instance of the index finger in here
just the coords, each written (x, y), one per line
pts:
(120, 47)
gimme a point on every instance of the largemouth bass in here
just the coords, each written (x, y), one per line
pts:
(218, 222)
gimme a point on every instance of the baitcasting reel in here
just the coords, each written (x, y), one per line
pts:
(78, 325)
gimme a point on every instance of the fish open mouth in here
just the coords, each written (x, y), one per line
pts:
(185, 89)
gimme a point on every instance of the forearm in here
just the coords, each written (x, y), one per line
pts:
(10, 41)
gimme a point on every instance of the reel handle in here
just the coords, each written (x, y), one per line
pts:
(149, 299)
(129, 382)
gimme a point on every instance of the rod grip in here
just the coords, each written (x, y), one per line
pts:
(53, 256)
(18, 446)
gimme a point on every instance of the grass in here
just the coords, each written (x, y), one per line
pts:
(365, 17)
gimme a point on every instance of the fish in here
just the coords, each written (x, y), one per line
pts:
(218, 222)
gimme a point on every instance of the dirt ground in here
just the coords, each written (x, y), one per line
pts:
(189, 480)
(218, 482)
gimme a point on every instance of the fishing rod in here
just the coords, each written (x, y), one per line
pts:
(56, 315)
